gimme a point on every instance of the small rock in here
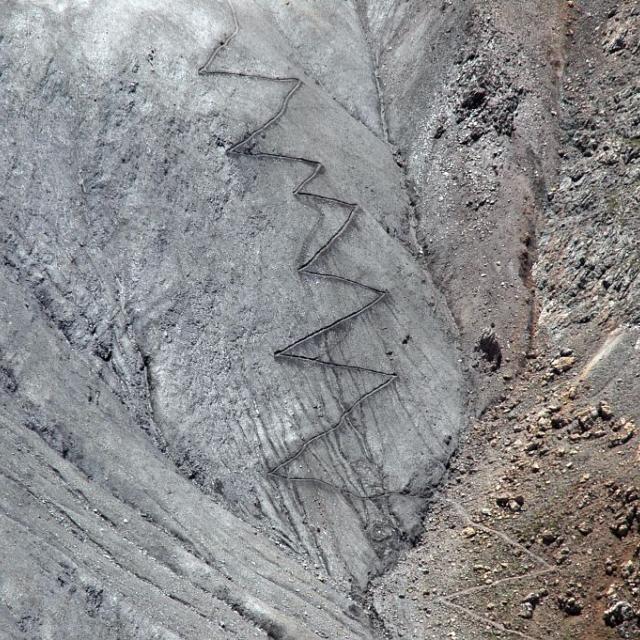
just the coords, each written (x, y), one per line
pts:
(562, 364)
(570, 605)
(469, 532)
(623, 438)
(620, 529)
(558, 421)
(530, 603)
(489, 346)
(609, 567)
(628, 569)
(619, 613)
(513, 504)
(604, 410)
(617, 426)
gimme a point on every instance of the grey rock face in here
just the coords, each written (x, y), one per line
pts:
(164, 474)
(464, 84)
(591, 264)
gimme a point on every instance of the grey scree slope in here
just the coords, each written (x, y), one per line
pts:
(163, 474)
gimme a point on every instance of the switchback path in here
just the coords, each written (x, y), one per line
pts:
(293, 351)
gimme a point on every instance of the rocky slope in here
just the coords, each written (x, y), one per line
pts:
(261, 262)
(537, 532)
(156, 455)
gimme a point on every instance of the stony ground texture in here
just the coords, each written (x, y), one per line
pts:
(156, 456)
(537, 533)
(228, 392)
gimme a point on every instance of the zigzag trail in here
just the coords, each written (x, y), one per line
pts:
(448, 599)
(291, 351)
(243, 148)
